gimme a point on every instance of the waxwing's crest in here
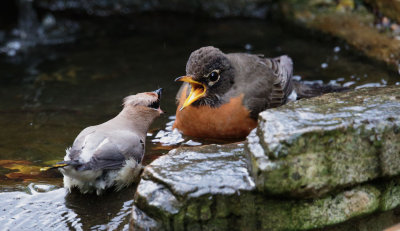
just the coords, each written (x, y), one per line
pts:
(141, 99)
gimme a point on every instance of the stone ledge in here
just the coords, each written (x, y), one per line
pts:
(171, 197)
(310, 147)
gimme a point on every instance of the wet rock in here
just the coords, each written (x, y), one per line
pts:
(310, 147)
(373, 222)
(205, 176)
(253, 8)
(209, 188)
(188, 172)
(140, 221)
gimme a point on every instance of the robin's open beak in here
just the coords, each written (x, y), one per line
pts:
(198, 90)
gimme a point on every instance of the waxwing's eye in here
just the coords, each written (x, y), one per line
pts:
(214, 76)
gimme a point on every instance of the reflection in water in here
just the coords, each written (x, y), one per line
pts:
(109, 211)
(57, 210)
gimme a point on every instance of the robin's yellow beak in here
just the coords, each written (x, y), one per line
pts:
(198, 90)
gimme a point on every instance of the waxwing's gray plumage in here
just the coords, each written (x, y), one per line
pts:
(110, 154)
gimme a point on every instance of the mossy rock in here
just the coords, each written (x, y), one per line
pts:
(210, 188)
(310, 147)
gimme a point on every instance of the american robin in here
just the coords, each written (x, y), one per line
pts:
(223, 93)
(110, 154)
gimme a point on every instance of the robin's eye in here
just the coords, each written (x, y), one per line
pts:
(214, 76)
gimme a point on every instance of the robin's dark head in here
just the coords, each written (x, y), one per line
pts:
(210, 74)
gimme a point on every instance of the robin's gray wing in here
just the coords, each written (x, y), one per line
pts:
(265, 82)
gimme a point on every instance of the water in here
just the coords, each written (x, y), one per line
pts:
(57, 210)
(31, 31)
(48, 95)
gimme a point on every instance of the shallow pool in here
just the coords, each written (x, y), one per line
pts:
(50, 93)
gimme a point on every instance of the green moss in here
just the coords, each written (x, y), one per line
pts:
(192, 212)
(275, 215)
(179, 220)
(221, 208)
(217, 224)
(390, 158)
(248, 210)
(390, 197)
(308, 214)
(205, 209)
(302, 174)
(194, 226)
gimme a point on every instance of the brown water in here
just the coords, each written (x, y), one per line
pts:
(47, 96)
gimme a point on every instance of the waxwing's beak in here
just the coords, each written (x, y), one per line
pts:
(197, 91)
(156, 104)
(158, 92)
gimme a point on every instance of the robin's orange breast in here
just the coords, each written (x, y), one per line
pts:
(230, 120)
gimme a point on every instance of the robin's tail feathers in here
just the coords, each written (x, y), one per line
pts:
(308, 90)
(282, 85)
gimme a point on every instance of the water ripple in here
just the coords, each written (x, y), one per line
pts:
(58, 210)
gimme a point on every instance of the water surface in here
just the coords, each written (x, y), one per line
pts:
(49, 94)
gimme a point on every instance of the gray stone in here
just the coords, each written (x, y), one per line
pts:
(146, 222)
(200, 175)
(373, 222)
(310, 147)
(193, 172)
(172, 196)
